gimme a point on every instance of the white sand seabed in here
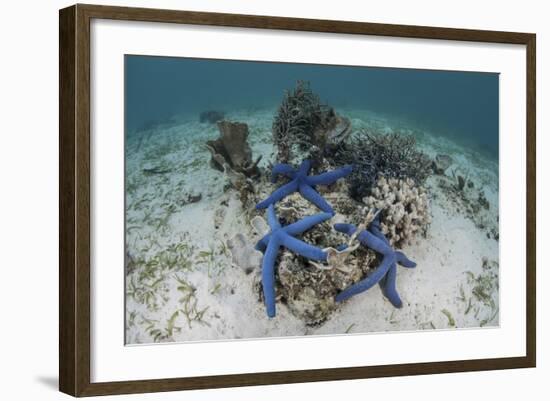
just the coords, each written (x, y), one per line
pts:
(182, 286)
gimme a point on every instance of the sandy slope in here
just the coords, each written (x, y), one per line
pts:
(181, 285)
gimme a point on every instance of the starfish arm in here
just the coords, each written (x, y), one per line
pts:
(367, 282)
(304, 167)
(272, 219)
(347, 229)
(375, 228)
(284, 169)
(268, 276)
(341, 247)
(403, 260)
(314, 197)
(304, 249)
(382, 283)
(306, 223)
(389, 287)
(376, 244)
(329, 177)
(261, 245)
(278, 194)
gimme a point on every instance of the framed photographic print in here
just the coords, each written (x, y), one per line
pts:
(250, 200)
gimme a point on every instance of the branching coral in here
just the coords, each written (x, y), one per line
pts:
(299, 114)
(374, 156)
(304, 122)
(404, 209)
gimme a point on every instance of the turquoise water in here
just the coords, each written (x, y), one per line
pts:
(462, 106)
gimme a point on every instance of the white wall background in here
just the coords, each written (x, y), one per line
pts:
(28, 197)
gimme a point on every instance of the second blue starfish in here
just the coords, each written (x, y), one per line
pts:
(284, 236)
(386, 273)
(304, 183)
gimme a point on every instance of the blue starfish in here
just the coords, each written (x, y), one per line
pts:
(386, 273)
(304, 183)
(284, 236)
(388, 283)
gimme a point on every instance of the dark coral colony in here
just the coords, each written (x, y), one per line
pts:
(370, 184)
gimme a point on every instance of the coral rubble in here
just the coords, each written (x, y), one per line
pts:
(304, 183)
(386, 272)
(243, 254)
(188, 199)
(308, 289)
(278, 237)
(441, 163)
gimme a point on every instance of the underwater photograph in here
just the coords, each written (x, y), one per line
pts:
(267, 199)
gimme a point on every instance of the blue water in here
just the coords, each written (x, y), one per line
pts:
(463, 106)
